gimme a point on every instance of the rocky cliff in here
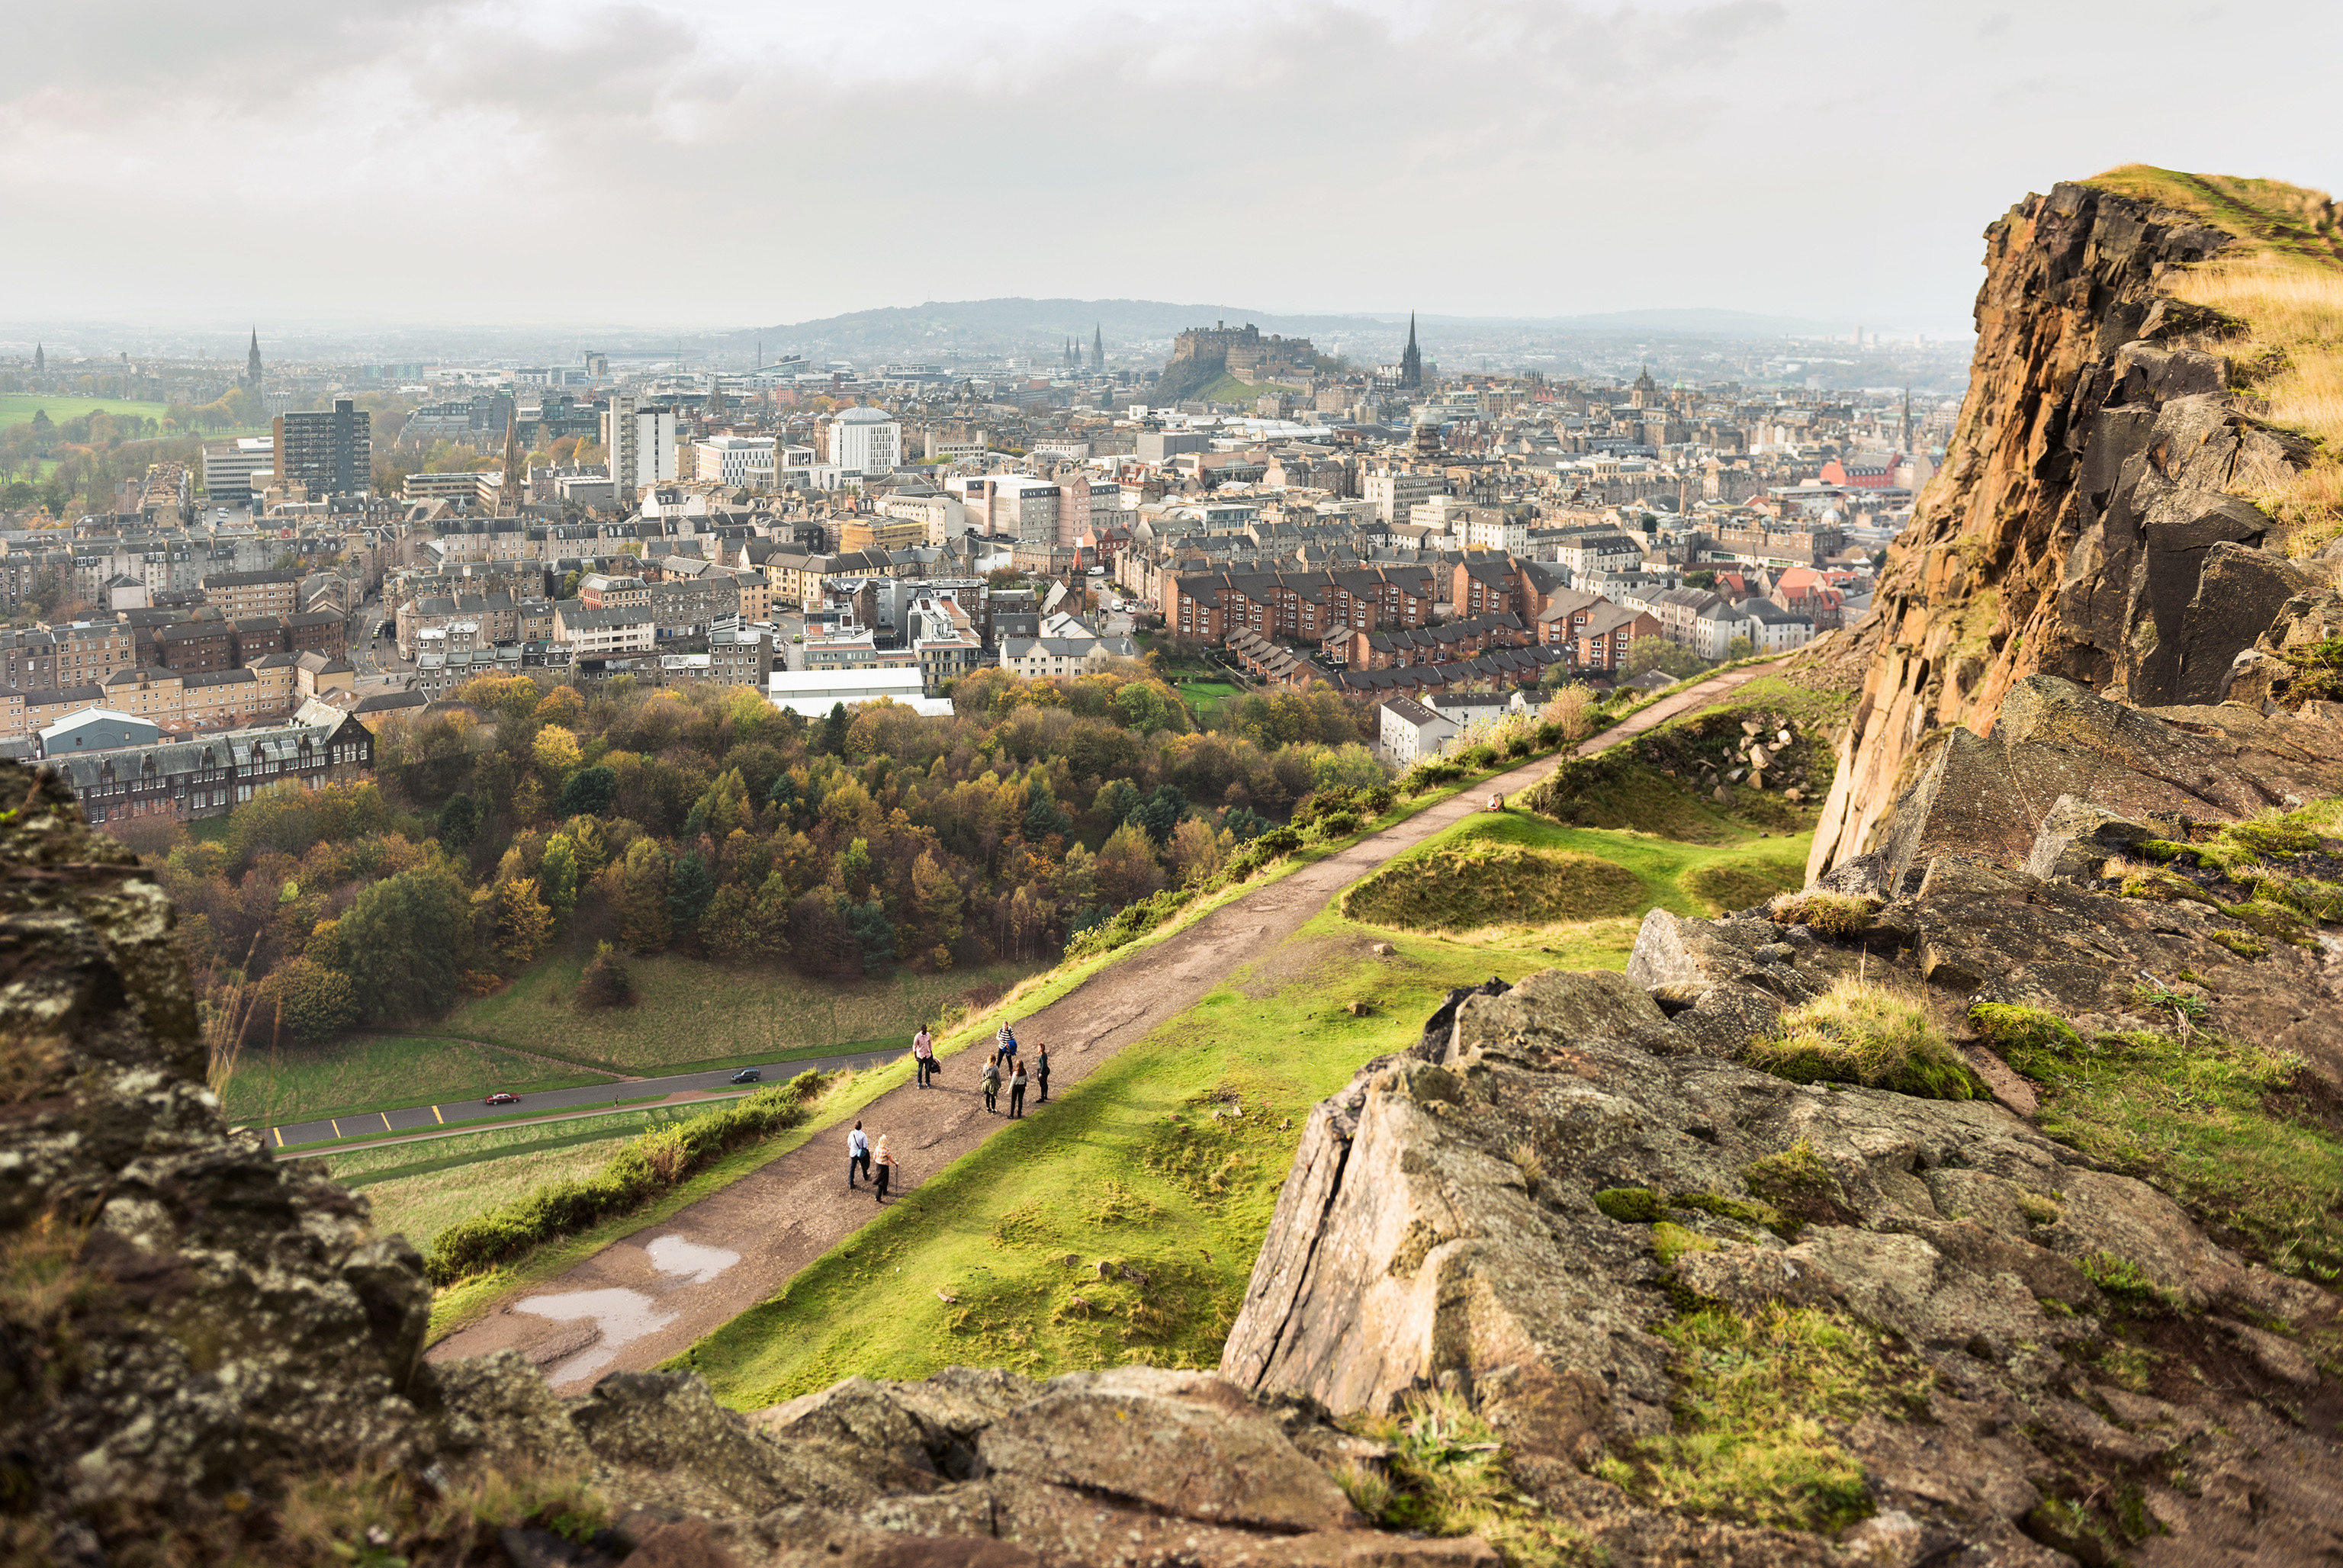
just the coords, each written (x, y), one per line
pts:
(2094, 516)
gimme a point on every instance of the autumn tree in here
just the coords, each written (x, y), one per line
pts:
(524, 923)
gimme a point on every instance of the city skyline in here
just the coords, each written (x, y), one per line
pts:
(715, 167)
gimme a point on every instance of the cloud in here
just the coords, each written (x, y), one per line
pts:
(733, 162)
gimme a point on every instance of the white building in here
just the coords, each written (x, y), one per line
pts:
(1394, 496)
(814, 692)
(945, 518)
(639, 443)
(229, 466)
(602, 633)
(733, 459)
(866, 441)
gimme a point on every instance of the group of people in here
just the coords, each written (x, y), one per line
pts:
(1006, 1064)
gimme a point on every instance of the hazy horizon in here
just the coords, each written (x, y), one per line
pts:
(722, 167)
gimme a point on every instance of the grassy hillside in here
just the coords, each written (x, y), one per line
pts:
(1167, 1161)
(691, 1012)
(2279, 293)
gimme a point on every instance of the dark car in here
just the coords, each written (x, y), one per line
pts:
(747, 1075)
(501, 1098)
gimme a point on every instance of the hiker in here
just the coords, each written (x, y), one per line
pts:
(991, 1079)
(858, 1153)
(886, 1167)
(1017, 1090)
(1041, 1072)
(1008, 1043)
(923, 1047)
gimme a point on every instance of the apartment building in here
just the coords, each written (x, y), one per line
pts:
(235, 594)
(593, 633)
(328, 453)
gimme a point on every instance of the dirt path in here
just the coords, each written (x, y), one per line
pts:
(650, 1296)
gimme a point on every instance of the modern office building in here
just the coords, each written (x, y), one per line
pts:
(866, 441)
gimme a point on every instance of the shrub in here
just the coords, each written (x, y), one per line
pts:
(1870, 1035)
(1478, 758)
(1428, 775)
(1832, 914)
(1130, 923)
(645, 1167)
(606, 981)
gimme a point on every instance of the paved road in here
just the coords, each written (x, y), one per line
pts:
(650, 1295)
(374, 1124)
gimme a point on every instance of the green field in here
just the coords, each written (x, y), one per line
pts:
(420, 1189)
(376, 1072)
(1134, 1167)
(18, 407)
(691, 1013)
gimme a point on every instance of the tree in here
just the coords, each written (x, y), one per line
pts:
(1646, 654)
(1127, 872)
(1740, 647)
(690, 887)
(638, 888)
(1195, 851)
(935, 901)
(1043, 817)
(821, 943)
(557, 751)
(405, 943)
(310, 1002)
(832, 740)
(1160, 813)
(524, 923)
(588, 792)
(874, 934)
(459, 822)
(557, 877)
(604, 982)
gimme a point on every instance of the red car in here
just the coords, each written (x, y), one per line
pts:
(501, 1098)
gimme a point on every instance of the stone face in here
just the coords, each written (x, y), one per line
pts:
(2088, 522)
(1990, 795)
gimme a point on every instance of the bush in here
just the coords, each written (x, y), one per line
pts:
(1478, 758)
(606, 982)
(1430, 775)
(1832, 914)
(1130, 923)
(1870, 1035)
(2008, 1028)
(646, 1167)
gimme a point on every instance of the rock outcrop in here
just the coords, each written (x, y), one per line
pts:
(2088, 521)
(1521, 1214)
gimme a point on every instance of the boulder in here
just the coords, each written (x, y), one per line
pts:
(2077, 838)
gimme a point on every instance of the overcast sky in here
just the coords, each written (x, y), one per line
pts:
(745, 162)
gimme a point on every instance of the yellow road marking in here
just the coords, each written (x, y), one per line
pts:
(337, 1126)
(280, 1136)
(437, 1117)
(386, 1119)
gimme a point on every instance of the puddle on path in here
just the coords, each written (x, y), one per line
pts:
(625, 1315)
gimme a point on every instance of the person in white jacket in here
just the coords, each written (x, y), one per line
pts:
(857, 1155)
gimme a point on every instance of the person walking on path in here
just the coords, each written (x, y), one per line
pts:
(1008, 1042)
(923, 1047)
(992, 1080)
(1041, 1072)
(858, 1154)
(1017, 1090)
(886, 1167)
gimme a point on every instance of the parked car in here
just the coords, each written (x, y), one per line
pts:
(747, 1075)
(501, 1098)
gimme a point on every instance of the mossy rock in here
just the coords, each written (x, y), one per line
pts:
(1479, 883)
(2010, 1028)
(1672, 1240)
(2164, 888)
(2245, 944)
(1740, 1210)
(1796, 1182)
(1632, 1205)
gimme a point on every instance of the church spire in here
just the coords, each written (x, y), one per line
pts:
(1097, 347)
(252, 362)
(509, 493)
(1411, 360)
(40, 357)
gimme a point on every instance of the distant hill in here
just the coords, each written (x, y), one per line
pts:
(1041, 327)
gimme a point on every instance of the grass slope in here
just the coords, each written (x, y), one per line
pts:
(691, 1011)
(1145, 1166)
